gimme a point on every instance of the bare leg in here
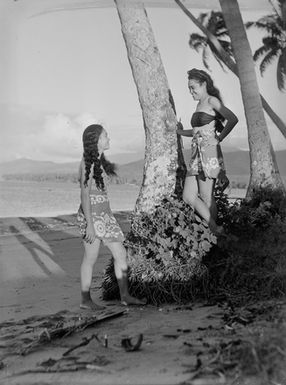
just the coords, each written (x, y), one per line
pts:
(120, 267)
(90, 256)
(206, 191)
(190, 196)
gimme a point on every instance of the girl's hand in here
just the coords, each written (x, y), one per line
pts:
(89, 234)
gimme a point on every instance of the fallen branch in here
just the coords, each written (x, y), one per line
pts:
(84, 342)
(71, 368)
(30, 334)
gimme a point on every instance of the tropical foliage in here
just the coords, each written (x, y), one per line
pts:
(166, 249)
(254, 266)
(174, 258)
(273, 43)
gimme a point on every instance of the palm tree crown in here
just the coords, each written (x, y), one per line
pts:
(274, 43)
(214, 23)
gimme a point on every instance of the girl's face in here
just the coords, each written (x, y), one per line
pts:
(197, 90)
(103, 141)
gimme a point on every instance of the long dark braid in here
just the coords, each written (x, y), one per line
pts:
(91, 156)
(202, 76)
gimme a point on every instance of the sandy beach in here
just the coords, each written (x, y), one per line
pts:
(39, 275)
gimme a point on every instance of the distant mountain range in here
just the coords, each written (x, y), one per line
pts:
(237, 163)
(24, 166)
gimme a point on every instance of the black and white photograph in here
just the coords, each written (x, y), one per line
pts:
(142, 192)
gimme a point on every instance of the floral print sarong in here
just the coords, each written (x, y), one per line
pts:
(105, 224)
(206, 154)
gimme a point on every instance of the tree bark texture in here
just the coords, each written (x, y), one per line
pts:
(263, 166)
(161, 153)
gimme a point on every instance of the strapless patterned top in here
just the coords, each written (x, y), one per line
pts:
(201, 118)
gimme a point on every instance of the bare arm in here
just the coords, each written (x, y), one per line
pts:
(230, 117)
(185, 132)
(85, 202)
(182, 132)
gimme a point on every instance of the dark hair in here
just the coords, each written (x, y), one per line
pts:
(202, 76)
(91, 156)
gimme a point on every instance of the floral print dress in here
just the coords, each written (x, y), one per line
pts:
(206, 154)
(105, 224)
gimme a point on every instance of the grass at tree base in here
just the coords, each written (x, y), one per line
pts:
(157, 290)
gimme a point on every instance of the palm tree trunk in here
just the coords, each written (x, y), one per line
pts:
(161, 152)
(263, 166)
(227, 60)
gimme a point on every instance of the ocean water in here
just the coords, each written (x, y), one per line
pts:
(44, 199)
(47, 199)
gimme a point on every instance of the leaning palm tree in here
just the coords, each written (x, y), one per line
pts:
(216, 40)
(274, 43)
(263, 166)
(167, 241)
(161, 154)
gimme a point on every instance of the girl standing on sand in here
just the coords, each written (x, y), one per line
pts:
(206, 164)
(96, 220)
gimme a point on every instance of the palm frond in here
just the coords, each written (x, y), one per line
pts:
(268, 19)
(197, 37)
(206, 57)
(278, 4)
(202, 18)
(258, 24)
(282, 60)
(198, 46)
(272, 26)
(220, 62)
(271, 42)
(216, 55)
(262, 51)
(268, 59)
(249, 24)
(223, 34)
(216, 24)
(197, 41)
(281, 71)
(226, 45)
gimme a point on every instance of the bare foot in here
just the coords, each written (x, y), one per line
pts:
(218, 231)
(129, 300)
(90, 305)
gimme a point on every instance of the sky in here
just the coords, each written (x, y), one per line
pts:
(65, 70)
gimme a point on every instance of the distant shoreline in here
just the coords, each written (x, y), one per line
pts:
(234, 194)
(47, 199)
(56, 214)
